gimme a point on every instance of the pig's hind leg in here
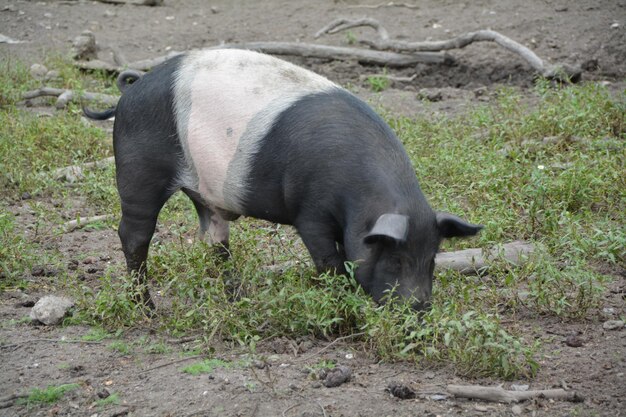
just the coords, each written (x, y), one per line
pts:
(142, 194)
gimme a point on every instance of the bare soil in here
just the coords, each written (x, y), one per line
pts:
(587, 33)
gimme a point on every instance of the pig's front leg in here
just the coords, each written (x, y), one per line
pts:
(320, 240)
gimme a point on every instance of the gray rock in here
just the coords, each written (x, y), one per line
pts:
(84, 46)
(38, 71)
(51, 309)
(613, 325)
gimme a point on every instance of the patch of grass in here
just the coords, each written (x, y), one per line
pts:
(19, 253)
(96, 334)
(113, 399)
(48, 395)
(120, 347)
(206, 366)
(158, 348)
(378, 83)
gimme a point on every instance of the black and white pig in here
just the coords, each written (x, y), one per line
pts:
(243, 133)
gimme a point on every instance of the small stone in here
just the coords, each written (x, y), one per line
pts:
(38, 71)
(84, 46)
(51, 309)
(517, 410)
(613, 325)
(609, 311)
(109, 13)
(214, 10)
(89, 260)
(26, 196)
(520, 387)
(615, 25)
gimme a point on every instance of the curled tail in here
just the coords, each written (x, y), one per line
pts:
(124, 80)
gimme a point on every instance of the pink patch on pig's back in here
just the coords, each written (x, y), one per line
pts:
(227, 89)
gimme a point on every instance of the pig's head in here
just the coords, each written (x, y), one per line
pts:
(398, 252)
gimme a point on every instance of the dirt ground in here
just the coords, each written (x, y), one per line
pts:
(587, 33)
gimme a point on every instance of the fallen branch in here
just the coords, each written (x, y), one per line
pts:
(467, 261)
(498, 394)
(142, 65)
(82, 221)
(74, 173)
(65, 96)
(364, 56)
(470, 261)
(561, 72)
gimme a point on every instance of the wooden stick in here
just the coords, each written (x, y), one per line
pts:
(82, 221)
(562, 72)
(74, 173)
(470, 261)
(65, 96)
(363, 56)
(498, 394)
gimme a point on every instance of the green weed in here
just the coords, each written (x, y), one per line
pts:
(378, 83)
(112, 399)
(206, 366)
(48, 395)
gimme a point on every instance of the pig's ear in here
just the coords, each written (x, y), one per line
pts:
(450, 225)
(389, 226)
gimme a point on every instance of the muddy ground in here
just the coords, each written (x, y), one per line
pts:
(587, 33)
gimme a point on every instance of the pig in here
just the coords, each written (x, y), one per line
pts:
(246, 134)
